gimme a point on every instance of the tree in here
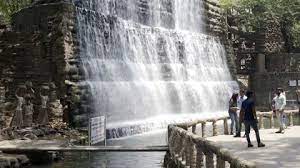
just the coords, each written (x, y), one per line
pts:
(253, 14)
(9, 7)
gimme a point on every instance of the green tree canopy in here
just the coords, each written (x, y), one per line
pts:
(9, 7)
(253, 14)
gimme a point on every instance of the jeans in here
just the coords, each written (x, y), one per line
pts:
(281, 119)
(234, 121)
(248, 125)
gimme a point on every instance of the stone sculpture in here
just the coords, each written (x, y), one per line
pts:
(55, 106)
(30, 93)
(43, 118)
(28, 112)
(17, 120)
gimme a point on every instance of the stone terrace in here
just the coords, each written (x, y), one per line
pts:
(282, 150)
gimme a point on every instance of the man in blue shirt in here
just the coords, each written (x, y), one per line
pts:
(248, 113)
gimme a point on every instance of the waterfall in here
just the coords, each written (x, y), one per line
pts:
(147, 62)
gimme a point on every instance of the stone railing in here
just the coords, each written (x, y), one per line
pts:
(262, 116)
(204, 124)
(187, 149)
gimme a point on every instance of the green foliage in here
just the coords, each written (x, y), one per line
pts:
(253, 14)
(296, 34)
(9, 7)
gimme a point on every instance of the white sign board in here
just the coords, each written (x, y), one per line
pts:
(292, 83)
(97, 130)
(298, 82)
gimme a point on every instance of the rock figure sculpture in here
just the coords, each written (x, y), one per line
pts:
(30, 93)
(43, 117)
(55, 106)
(17, 120)
(28, 112)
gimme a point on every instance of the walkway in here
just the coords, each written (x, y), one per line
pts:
(45, 145)
(281, 151)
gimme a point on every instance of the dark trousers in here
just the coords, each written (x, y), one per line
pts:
(248, 125)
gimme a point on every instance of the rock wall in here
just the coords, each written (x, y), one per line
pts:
(277, 67)
(40, 48)
(265, 86)
(216, 25)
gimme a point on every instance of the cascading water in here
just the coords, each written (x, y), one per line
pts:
(148, 62)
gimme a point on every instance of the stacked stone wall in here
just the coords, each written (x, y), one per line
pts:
(41, 48)
(265, 85)
(216, 25)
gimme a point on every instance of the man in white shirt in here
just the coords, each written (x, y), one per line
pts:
(280, 103)
(242, 97)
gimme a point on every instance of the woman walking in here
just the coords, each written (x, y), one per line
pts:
(233, 113)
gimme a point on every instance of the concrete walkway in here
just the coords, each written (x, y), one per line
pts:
(281, 151)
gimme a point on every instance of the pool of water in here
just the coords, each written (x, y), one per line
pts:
(118, 159)
(130, 159)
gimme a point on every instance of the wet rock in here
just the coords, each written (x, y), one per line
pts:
(14, 161)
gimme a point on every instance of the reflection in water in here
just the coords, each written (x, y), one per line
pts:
(118, 159)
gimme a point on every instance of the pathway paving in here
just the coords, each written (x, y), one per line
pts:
(281, 151)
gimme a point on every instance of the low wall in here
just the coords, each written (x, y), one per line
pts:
(187, 149)
(264, 85)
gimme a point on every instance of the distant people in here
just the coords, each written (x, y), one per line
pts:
(280, 103)
(298, 99)
(17, 120)
(248, 113)
(273, 103)
(241, 98)
(233, 113)
(43, 118)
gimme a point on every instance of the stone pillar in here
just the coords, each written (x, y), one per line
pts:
(182, 151)
(199, 156)
(226, 132)
(261, 122)
(215, 128)
(220, 162)
(187, 147)
(194, 129)
(261, 63)
(272, 120)
(291, 122)
(203, 126)
(209, 159)
(193, 156)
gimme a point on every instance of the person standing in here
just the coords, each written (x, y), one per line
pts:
(298, 98)
(248, 114)
(280, 103)
(241, 98)
(233, 113)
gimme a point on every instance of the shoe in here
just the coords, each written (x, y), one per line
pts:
(231, 133)
(244, 136)
(278, 132)
(250, 145)
(261, 145)
(237, 135)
